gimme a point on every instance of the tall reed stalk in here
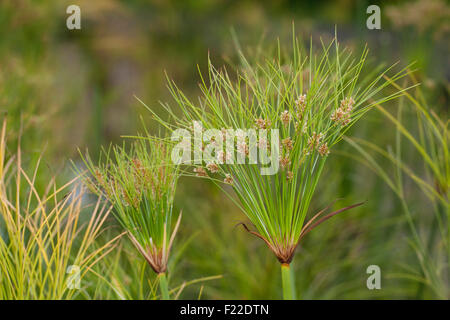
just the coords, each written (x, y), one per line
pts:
(140, 183)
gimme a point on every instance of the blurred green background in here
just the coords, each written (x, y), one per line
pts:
(66, 89)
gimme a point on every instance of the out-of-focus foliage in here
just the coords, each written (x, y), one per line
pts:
(64, 89)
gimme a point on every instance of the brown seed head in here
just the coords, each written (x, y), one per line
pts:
(289, 175)
(212, 167)
(300, 104)
(287, 143)
(285, 162)
(200, 172)
(262, 124)
(323, 149)
(228, 179)
(285, 117)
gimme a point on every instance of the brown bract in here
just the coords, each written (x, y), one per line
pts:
(157, 257)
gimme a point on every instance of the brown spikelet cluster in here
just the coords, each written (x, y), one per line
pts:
(289, 175)
(285, 118)
(200, 172)
(342, 115)
(262, 124)
(145, 182)
(228, 179)
(300, 105)
(287, 143)
(99, 177)
(314, 140)
(212, 167)
(220, 156)
(139, 181)
(285, 162)
(323, 149)
(263, 143)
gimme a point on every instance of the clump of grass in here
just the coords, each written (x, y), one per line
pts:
(42, 238)
(312, 99)
(140, 183)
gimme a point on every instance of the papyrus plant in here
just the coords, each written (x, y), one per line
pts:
(47, 245)
(312, 99)
(140, 183)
